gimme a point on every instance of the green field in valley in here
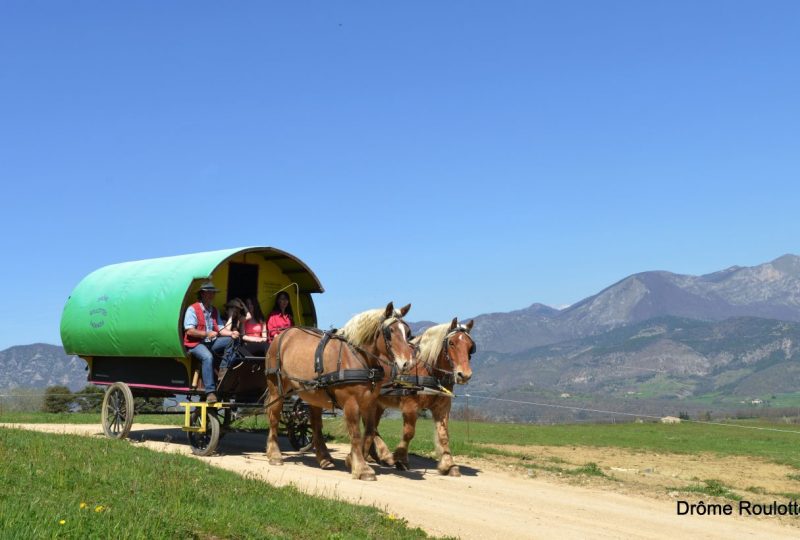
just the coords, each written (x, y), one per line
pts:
(69, 486)
(773, 441)
(768, 401)
(745, 438)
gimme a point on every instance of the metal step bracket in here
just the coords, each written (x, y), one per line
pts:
(203, 406)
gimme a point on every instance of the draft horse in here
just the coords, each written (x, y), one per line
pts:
(344, 369)
(443, 359)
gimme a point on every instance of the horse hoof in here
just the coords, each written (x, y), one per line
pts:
(389, 461)
(276, 461)
(326, 464)
(401, 466)
(368, 476)
(454, 471)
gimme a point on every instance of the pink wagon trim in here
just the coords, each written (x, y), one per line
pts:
(151, 386)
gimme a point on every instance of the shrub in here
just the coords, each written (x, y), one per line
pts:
(90, 399)
(57, 399)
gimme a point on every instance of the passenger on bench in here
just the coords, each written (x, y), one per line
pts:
(255, 329)
(205, 336)
(240, 318)
(281, 316)
(237, 314)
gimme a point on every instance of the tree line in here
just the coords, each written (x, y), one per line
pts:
(60, 399)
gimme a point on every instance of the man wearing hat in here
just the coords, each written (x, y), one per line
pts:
(205, 336)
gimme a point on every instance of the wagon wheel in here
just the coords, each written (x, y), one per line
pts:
(298, 426)
(117, 415)
(204, 444)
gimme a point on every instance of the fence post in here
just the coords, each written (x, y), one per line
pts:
(468, 415)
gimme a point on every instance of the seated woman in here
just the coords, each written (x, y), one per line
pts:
(281, 316)
(255, 329)
(236, 313)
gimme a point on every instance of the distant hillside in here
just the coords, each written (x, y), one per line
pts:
(770, 290)
(669, 359)
(39, 366)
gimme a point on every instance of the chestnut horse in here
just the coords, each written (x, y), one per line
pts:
(352, 378)
(443, 359)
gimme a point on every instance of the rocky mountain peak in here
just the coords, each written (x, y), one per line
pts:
(770, 290)
(40, 365)
(787, 264)
(542, 309)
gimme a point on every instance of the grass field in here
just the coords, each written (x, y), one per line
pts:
(65, 486)
(771, 400)
(684, 438)
(740, 438)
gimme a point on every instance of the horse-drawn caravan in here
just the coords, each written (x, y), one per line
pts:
(126, 321)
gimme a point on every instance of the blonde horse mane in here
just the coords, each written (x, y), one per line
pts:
(363, 328)
(430, 343)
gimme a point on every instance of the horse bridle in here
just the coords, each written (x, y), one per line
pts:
(386, 327)
(446, 349)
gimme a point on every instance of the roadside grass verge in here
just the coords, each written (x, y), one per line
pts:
(68, 486)
(714, 488)
(590, 469)
(685, 438)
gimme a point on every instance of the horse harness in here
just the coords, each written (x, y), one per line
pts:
(404, 384)
(328, 381)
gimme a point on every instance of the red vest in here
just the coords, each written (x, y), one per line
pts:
(190, 342)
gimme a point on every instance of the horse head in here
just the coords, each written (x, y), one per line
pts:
(396, 336)
(382, 333)
(458, 348)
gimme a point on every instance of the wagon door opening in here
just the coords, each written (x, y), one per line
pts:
(242, 280)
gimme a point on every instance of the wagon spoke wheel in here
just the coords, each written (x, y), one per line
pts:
(117, 415)
(225, 417)
(298, 428)
(204, 444)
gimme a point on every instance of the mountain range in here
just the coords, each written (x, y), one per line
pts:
(770, 290)
(650, 340)
(40, 365)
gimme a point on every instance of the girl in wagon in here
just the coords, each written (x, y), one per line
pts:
(281, 316)
(255, 329)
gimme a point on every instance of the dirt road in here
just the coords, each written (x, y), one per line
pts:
(485, 503)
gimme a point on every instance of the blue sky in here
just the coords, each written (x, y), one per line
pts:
(466, 157)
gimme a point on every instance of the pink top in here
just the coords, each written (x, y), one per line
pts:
(253, 328)
(277, 323)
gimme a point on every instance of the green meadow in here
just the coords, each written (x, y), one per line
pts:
(69, 486)
(775, 442)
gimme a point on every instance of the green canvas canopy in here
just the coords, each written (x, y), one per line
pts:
(136, 309)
